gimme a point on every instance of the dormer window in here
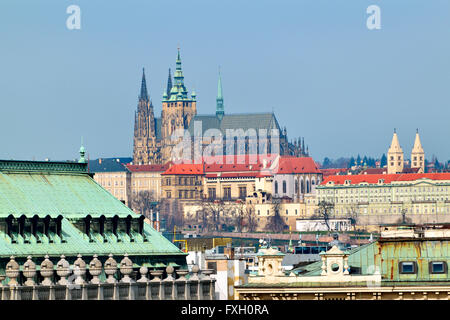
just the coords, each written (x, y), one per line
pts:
(437, 267)
(408, 267)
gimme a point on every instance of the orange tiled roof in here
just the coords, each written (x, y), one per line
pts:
(388, 178)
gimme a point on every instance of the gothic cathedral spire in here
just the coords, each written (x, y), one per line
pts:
(144, 150)
(219, 100)
(169, 85)
(143, 95)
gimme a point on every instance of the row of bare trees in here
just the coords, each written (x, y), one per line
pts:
(216, 215)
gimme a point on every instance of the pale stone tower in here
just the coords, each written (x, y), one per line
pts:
(418, 155)
(395, 156)
(177, 110)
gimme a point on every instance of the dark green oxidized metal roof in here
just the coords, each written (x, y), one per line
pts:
(66, 189)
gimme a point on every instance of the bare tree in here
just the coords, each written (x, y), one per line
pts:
(215, 213)
(325, 210)
(353, 211)
(245, 216)
(172, 212)
(275, 222)
(144, 202)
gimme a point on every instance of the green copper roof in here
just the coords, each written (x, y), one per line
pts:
(53, 192)
(66, 190)
(177, 90)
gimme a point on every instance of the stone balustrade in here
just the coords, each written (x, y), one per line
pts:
(94, 281)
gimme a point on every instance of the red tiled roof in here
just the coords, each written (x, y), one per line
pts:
(289, 164)
(374, 171)
(332, 171)
(148, 167)
(253, 174)
(247, 167)
(183, 168)
(388, 178)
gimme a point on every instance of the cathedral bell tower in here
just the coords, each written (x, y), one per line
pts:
(144, 151)
(395, 156)
(418, 155)
(177, 110)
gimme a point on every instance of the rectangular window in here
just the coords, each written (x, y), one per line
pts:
(408, 267)
(242, 192)
(211, 193)
(227, 193)
(438, 267)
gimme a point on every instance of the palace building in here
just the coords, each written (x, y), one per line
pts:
(153, 142)
(388, 198)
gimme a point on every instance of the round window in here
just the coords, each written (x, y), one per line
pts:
(335, 267)
(269, 269)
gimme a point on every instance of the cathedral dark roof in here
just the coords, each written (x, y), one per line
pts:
(243, 121)
(158, 128)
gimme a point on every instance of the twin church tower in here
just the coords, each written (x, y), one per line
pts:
(395, 161)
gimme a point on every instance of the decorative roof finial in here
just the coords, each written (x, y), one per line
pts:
(82, 153)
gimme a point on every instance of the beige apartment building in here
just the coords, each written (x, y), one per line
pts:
(125, 181)
(112, 175)
(147, 178)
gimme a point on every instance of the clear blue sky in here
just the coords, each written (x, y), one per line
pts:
(315, 63)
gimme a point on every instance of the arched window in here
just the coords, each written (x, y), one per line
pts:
(302, 186)
(307, 186)
(296, 186)
(276, 187)
(284, 186)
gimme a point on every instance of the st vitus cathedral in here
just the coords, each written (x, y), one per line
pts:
(152, 136)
